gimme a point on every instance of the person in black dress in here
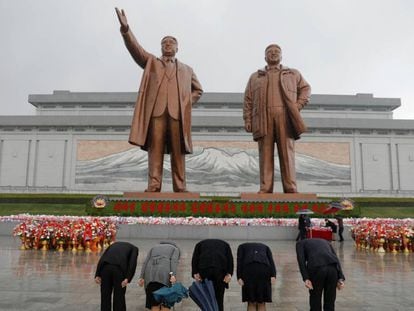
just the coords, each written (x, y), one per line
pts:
(256, 271)
(321, 271)
(213, 260)
(115, 270)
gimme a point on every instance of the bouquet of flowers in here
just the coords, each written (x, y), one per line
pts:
(51, 233)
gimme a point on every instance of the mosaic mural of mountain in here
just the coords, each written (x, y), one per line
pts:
(209, 170)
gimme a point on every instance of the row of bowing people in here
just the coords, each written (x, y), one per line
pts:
(212, 260)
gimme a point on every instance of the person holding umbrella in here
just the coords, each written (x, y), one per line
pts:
(158, 271)
(213, 260)
(256, 271)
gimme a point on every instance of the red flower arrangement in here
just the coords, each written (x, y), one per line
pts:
(391, 235)
(90, 234)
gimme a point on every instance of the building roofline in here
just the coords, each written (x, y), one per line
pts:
(198, 121)
(234, 99)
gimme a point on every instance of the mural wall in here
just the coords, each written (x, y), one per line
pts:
(213, 167)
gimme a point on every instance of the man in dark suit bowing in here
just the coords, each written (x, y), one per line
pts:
(213, 260)
(115, 270)
(321, 271)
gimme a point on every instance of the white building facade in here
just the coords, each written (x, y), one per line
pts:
(77, 142)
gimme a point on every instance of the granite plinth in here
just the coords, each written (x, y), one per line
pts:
(162, 195)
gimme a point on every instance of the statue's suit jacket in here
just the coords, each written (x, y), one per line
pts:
(296, 93)
(189, 91)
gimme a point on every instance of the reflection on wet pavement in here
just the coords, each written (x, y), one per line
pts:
(51, 280)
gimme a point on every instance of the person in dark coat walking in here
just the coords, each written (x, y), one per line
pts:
(340, 221)
(256, 271)
(115, 270)
(321, 271)
(213, 260)
(304, 223)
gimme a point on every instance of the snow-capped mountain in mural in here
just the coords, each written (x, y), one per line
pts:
(208, 170)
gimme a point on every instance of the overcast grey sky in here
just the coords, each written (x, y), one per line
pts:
(340, 46)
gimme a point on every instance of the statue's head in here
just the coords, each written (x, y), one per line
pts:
(169, 46)
(273, 54)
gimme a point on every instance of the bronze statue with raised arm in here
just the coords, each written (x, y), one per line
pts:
(273, 99)
(162, 116)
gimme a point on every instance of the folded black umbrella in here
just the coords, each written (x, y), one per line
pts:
(203, 295)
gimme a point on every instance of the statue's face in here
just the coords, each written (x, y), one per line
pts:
(273, 56)
(169, 47)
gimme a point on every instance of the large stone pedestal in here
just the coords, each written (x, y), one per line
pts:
(184, 204)
(162, 195)
(278, 196)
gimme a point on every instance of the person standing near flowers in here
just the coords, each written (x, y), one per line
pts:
(115, 270)
(321, 271)
(340, 221)
(304, 224)
(333, 227)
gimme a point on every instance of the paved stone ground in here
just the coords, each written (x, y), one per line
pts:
(49, 280)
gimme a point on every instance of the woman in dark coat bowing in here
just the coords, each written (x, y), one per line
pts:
(256, 271)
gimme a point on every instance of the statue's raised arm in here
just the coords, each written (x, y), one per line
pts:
(162, 115)
(122, 19)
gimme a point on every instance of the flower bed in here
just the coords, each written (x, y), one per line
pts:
(75, 234)
(384, 235)
(190, 220)
(63, 232)
(202, 208)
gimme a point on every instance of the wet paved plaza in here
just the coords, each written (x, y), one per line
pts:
(51, 280)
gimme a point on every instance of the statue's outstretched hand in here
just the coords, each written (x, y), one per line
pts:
(122, 19)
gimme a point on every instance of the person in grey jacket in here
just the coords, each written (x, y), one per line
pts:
(159, 270)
